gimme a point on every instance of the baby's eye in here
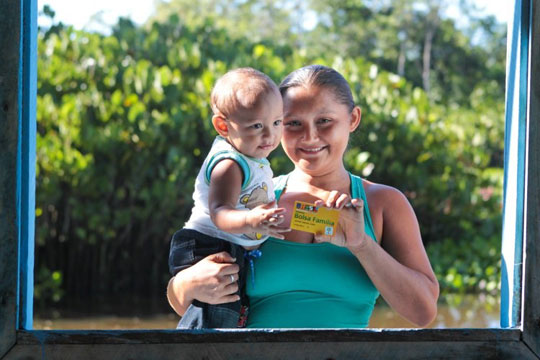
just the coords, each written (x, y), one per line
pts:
(278, 122)
(257, 126)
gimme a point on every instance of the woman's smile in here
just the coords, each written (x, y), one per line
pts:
(312, 150)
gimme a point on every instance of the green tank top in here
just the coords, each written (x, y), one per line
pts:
(311, 285)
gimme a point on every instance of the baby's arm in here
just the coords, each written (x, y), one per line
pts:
(225, 187)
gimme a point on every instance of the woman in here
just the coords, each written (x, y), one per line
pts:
(318, 281)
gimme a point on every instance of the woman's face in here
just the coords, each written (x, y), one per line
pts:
(316, 129)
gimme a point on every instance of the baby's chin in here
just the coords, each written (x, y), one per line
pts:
(262, 153)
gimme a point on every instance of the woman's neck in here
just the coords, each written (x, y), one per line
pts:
(334, 180)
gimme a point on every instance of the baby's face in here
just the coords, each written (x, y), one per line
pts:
(257, 132)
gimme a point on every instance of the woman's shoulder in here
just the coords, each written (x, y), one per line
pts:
(387, 205)
(380, 196)
(376, 189)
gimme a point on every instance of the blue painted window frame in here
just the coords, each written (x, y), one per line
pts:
(518, 117)
(514, 172)
(26, 163)
(516, 112)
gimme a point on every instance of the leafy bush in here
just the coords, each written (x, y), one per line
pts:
(123, 126)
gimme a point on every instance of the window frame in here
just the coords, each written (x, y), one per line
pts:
(518, 337)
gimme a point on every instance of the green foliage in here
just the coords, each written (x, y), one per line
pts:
(476, 269)
(124, 124)
(49, 287)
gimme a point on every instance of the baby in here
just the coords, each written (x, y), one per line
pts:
(234, 196)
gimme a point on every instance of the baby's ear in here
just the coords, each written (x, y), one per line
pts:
(220, 125)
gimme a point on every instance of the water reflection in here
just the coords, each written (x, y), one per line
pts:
(455, 311)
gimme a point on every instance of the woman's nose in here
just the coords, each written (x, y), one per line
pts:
(310, 133)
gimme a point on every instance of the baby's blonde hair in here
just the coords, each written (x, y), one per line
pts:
(240, 89)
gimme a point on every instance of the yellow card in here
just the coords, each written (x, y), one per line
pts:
(317, 220)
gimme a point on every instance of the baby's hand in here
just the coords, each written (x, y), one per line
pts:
(266, 219)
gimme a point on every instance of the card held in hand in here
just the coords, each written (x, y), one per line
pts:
(317, 220)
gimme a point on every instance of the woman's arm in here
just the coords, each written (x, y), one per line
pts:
(208, 281)
(398, 266)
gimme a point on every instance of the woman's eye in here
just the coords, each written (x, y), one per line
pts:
(324, 121)
(292, 123)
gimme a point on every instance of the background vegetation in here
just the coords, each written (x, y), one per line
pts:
(123, 126)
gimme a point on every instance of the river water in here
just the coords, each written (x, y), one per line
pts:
(456, 311)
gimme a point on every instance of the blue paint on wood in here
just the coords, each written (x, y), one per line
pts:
(514, 159)
(515, 138)
(20, 189)
(26, 168)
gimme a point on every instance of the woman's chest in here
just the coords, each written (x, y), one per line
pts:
(316, 268)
